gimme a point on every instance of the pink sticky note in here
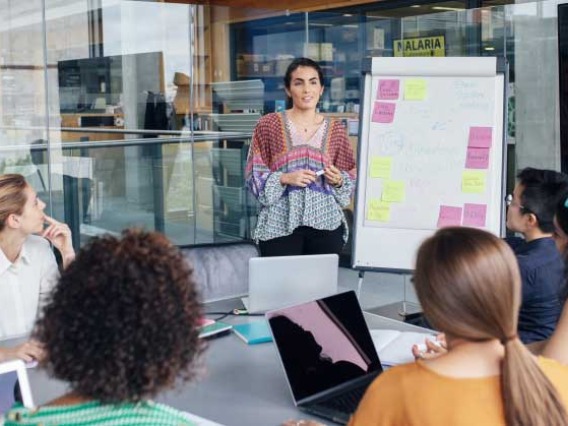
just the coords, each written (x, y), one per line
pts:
(388, 89)
(449, 216)
(480, 137)
(474, 215)
(383, 112)
(477, 158)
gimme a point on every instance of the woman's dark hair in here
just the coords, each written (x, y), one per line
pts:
(294, 65)
(122, 324)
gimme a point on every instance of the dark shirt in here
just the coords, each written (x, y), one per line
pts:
(542, 275)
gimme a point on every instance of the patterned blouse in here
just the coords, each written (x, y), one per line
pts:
(94, 413)
(277, 148)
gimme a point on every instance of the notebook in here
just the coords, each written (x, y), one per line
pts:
(280, 281)
(10, 372)
(253, 332)
(395, 347)
(327, 353)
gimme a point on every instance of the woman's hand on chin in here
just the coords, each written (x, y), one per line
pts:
(59, 235)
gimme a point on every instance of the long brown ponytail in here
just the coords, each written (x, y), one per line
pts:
(469, 285)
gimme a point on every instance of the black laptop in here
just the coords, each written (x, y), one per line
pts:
(327, 354)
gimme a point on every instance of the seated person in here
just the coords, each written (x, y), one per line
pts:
(468, 283)
(557, 346)
(120, 327)
(28, 270)
(531, 212)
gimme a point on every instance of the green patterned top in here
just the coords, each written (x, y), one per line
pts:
(146, 413)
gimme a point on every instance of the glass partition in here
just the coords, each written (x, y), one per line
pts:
(117, 122)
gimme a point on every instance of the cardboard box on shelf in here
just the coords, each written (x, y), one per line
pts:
(267, 68)
(249, 69)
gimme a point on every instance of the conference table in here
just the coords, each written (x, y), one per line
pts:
(238, 384)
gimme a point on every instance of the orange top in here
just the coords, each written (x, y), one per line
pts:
(413, 394)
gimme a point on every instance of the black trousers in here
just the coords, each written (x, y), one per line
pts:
(304, 240)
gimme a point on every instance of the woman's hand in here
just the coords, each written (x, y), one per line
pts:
(28, 352)
(293, 422)
(433, 350)
(301, 178)
(333, 176)
(59, 235)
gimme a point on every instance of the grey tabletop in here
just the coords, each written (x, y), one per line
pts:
(238, 384)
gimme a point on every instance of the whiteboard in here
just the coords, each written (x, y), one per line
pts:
(431, 154)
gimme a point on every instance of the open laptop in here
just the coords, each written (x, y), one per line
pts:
(327, 353)
(10, 372)
(280, 281)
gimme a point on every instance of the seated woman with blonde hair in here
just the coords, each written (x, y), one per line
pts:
(28, 270)
(121, 326)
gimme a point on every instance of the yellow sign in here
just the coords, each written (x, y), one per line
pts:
(414, 89)
(420, 46)
(381, 167)
(378, 211)
(393, 191)
(473, 182)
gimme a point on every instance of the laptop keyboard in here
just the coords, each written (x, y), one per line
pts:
(346, 402)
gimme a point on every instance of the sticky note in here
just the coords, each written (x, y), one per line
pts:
(381, 167)
(415, 89)
(474, 215)
(393, 191)
(477, 158)
(449, 216)
(473, 182)
(388, 90)
(378, 211)
(383, 112)
(480, 137)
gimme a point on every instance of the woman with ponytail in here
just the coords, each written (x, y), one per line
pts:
(468, 283)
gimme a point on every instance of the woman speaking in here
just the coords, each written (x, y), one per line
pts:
(301, 169)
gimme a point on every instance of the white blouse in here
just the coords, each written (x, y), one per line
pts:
(25, 286)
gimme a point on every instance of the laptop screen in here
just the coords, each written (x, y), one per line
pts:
(323, 343)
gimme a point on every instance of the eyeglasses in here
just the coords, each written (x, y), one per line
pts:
(525, 210)
(509, 201)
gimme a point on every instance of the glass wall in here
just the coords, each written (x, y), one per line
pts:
(139, 113)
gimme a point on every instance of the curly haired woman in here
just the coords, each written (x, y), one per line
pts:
(120, 327)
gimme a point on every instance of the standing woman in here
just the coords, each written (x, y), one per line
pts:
(28, 270)
(302, 171)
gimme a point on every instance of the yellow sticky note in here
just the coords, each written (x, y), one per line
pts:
(378, 211)
(381, 167)
(474, 181)
(393, 191)
(415, 89)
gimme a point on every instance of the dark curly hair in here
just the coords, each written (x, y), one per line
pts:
(121, 325)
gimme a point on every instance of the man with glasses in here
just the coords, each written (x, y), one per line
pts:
(530, 212)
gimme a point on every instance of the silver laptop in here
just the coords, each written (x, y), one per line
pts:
(280, 281)
(327, 353)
